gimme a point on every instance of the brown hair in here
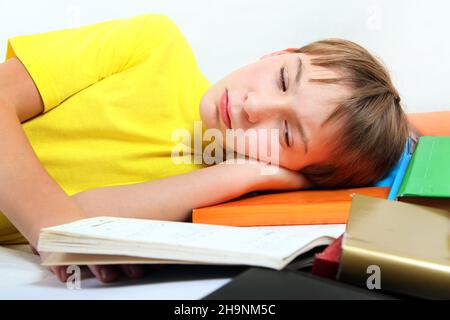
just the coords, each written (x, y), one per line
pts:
(375, 128)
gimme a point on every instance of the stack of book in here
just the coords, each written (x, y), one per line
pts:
(406, 240)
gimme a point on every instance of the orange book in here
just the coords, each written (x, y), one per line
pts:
(286, 208)
(431, 123)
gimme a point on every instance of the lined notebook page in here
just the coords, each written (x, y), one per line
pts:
(277, 241)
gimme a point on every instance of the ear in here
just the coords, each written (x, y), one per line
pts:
(276, 53)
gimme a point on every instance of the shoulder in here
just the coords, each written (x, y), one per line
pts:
(157, 23)
(161, 31)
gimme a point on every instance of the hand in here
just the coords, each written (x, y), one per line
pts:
(283, 179)
(104, 273)
(266, 176)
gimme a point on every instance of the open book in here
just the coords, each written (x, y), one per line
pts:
(111, 240)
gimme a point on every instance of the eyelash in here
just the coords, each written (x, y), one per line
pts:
(283, 86)
(283, 83)
(286, 133)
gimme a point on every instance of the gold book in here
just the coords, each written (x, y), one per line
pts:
(407, 244)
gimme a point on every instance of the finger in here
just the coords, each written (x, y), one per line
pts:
(301, 182)
(289, 180)
(86, 272)
(133, 271)
(60, 272)
(294, 179)
(105, 273)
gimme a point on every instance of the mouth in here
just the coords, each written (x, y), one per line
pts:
(224, 107)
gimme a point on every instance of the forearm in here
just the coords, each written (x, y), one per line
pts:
(172, 198)
(29, 197)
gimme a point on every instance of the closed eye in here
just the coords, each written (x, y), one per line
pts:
(286, 133)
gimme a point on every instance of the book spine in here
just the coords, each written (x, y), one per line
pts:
(326, 264)
(404, 162)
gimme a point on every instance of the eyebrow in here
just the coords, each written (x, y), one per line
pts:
(298, 76)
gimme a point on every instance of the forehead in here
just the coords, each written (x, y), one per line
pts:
(319, 95)
(312, 71)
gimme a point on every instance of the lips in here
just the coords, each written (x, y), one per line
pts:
(224, 107)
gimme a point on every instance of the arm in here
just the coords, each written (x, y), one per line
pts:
(173, 198)
(29, 197)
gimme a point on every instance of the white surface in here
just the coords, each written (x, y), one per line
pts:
(21, 277)
(411, 36)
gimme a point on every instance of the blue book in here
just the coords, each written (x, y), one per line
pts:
(394, 177)
(402, 167)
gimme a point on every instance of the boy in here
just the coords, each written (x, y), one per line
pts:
(88, 114)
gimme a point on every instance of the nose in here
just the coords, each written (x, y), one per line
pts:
(258, 107)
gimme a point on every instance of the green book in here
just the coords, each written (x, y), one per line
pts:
(427, 179)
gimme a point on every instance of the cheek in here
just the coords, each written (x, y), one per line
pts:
(293, 158)
(246, 78)
(260, 144)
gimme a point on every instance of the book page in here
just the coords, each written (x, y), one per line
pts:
(276, 241)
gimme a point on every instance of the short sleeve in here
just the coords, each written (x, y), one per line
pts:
(64, 62)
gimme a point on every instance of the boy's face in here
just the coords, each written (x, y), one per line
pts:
(258, 99)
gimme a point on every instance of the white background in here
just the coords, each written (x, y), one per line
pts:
(410, 36)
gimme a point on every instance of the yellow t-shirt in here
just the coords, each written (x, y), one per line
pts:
(113, 92)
